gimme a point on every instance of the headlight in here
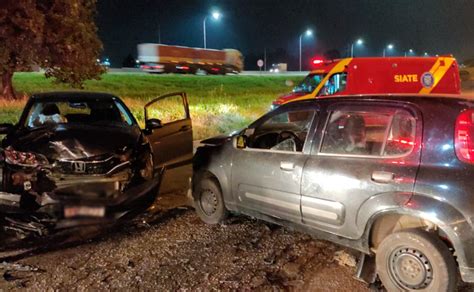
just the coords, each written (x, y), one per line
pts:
(24, 158)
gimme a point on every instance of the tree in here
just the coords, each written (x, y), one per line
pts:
(57, 35)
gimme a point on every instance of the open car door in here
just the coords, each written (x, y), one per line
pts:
(168, 128)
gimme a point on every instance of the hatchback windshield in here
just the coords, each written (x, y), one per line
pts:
(310, 83)
(102, 112)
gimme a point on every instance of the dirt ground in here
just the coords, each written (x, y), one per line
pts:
(173, 250)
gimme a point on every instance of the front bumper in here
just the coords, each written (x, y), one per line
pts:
(107, 197)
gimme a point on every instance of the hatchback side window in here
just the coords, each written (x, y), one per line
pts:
(401, 138)
(286, 131)
(373, 133)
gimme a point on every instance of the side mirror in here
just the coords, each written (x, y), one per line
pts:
(240, 141)
(153, 124)
(5, 128)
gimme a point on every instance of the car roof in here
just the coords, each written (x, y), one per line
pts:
(408, 97)
(66, 95)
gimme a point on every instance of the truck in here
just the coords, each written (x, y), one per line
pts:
(377, 75)
(159, 58)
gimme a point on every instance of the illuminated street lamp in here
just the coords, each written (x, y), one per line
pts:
(388, 47)
(308, 33)
(215, 15)
(358, 42)
(410, 52)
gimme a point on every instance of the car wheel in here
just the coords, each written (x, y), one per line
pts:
(209, 202)
(415, 260)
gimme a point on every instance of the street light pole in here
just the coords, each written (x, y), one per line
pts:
(301, 36)
(389, 47)
(357, 42)
(204, 30)
(159, 33)
(216, 15)
(308, 33)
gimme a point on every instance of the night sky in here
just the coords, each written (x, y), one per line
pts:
(434, 26)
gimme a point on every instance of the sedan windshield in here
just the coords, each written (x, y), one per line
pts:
(90, 111)
(310, 83)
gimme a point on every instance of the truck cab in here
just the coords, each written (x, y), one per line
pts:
(349, 76)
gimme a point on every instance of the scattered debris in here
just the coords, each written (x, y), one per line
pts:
(343, 258)
(18, 267)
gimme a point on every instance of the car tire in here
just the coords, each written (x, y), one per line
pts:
(415, 260)
(209, 202)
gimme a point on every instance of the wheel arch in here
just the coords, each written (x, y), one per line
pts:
(424, 212)
(222, 181)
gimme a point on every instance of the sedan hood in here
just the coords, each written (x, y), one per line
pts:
(80, 142)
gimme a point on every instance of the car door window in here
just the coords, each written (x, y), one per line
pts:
(378, 132)
(284, 131)
(168, 110)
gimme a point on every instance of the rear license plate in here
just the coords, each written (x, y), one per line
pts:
(84, 211)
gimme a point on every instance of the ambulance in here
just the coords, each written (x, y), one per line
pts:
(352, 76)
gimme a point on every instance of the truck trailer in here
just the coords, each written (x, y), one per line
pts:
(158, 58)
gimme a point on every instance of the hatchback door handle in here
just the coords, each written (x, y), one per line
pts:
(286, 165)
(382, 176)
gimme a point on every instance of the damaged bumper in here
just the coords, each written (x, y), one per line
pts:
(39, 199)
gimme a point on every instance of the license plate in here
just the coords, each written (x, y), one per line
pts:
(84, 211)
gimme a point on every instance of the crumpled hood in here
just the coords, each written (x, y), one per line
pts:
(69, 143)
(287, 97)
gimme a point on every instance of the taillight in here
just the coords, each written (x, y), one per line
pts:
(464, 136)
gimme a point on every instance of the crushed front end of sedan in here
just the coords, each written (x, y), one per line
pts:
(75, 159)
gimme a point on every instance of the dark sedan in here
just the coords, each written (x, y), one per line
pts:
(77, 159)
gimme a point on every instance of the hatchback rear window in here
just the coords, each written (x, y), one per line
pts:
(369, 133)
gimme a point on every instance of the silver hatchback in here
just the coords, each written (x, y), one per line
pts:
(390, 176)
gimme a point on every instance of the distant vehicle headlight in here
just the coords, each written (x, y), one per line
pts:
(27, 159)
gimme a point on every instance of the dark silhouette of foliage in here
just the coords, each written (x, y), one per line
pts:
(60, 36)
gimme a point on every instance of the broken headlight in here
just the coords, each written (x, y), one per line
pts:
(27, 159)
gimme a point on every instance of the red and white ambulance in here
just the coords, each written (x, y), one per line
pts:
(349, 76)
